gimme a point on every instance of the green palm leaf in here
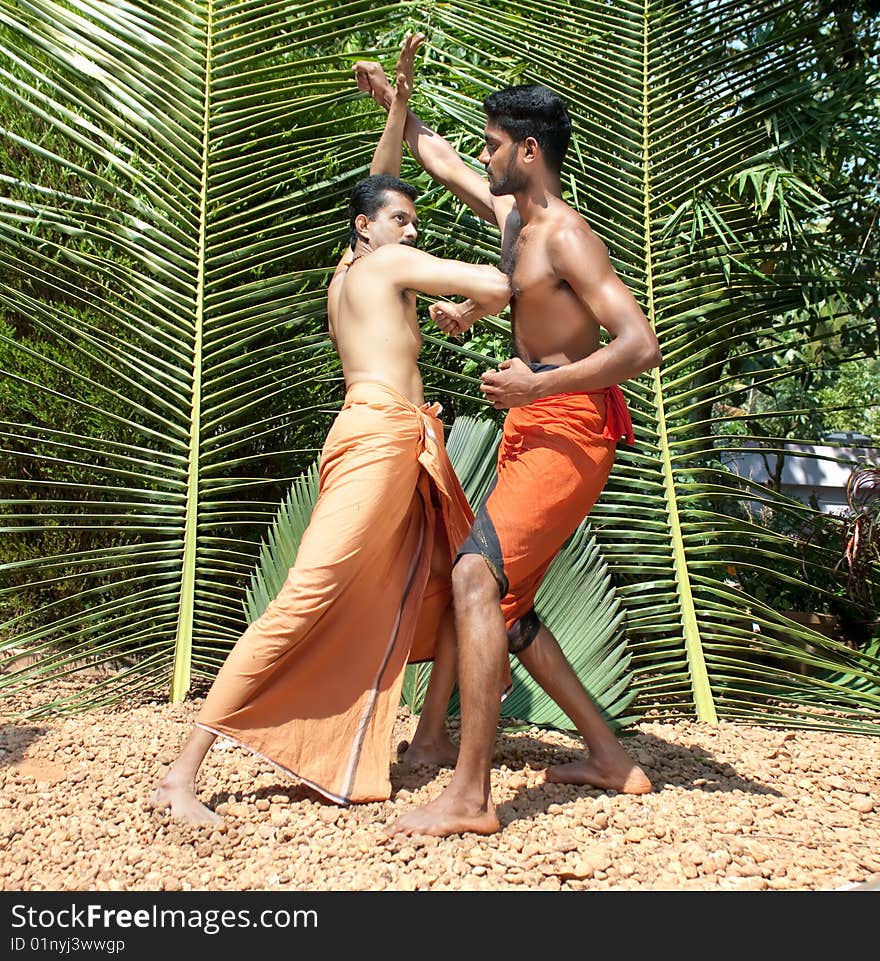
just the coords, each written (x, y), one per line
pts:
(689, 134)
(165, 308)
(173, 192)
(278, 553)
(579, 605)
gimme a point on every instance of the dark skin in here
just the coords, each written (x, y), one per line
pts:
(564, 290)
(371, 307)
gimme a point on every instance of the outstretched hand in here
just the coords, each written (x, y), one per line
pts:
(371, 77)
(513, 384)
(406, 64)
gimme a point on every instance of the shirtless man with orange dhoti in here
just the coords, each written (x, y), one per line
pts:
(313, 685)
(566, 414)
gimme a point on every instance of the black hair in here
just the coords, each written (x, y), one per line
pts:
(530, 110)
(368, 198)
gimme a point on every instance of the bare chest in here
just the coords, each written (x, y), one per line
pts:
(525, 261)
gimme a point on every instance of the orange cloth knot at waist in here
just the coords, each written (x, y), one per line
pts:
(618, 423)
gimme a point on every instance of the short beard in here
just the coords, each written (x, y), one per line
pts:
(514, 181)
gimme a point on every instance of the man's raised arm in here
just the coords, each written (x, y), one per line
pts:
(436, 155)
(389, 150)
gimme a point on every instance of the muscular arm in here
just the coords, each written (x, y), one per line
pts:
(581, 260)
(436, 155)
(440, 159)
(410, 269)
(389, 151)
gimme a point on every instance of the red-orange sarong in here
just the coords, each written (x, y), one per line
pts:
(553, 462)
(313, 685)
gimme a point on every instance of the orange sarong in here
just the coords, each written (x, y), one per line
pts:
(553, 462)
(313, 685)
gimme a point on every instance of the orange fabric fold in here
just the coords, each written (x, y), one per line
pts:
(618, 422)
(554, 461)
(313, 685)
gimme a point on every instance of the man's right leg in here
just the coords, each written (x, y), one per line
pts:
(466, 804)
(608, 765)
(177, 789)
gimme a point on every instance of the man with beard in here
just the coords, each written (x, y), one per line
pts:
(313, 685)
(566, 414)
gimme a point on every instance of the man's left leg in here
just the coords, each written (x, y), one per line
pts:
(608, 765)
(431, 745)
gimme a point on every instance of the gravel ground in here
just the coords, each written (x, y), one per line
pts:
(734, 807)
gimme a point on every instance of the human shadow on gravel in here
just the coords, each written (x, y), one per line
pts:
(292, 791)
(672, 765)
(15, 739)
(678, 766)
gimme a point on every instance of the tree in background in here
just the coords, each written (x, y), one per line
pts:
(165, 251)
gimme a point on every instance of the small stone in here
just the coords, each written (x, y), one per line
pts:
(862, 804)
(599, 859)
(579, 871)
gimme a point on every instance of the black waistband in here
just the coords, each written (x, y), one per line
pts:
(537, 368)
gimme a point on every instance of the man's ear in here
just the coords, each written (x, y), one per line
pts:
(531, 150)
(361, 223)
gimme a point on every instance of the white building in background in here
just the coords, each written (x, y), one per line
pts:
(809, 471)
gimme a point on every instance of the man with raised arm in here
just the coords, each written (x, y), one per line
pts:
(313, 685)
(566, 414)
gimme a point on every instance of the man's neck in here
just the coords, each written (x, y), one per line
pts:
(361, 249)
(533, 202)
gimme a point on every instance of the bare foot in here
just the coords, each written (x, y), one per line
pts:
(445, 816)
(184, 804)
(621, 775)
(424, 754)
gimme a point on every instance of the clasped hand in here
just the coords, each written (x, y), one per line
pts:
(513, 384)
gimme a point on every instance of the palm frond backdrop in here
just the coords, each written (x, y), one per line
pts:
(174, 184)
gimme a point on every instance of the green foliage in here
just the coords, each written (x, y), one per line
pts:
(851, 402)
(174, 180)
